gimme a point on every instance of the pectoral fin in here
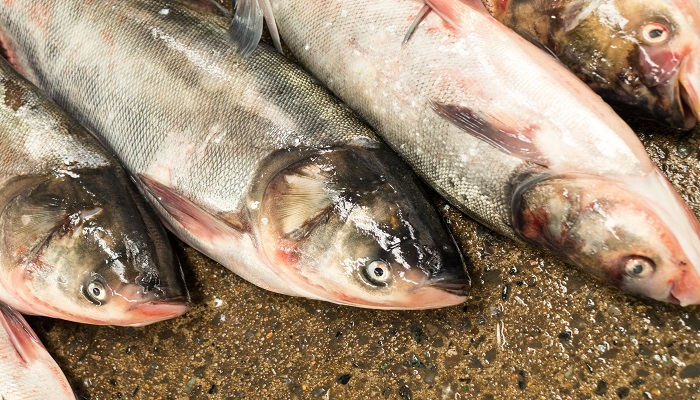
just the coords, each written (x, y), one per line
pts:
(513, 139)
(23, 339)
(198, 222)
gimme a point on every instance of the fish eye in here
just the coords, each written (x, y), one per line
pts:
(96, 291)
(655, 33)
(378, 273)
(639, 267)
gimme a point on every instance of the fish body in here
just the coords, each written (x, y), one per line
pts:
(642, 53)
(505, 133)
(248, 160)
(27, 371)
(77, 241)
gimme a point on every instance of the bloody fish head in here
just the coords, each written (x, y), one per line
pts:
(84, 249)
(643, 53)
(354, 227)
(644, 244)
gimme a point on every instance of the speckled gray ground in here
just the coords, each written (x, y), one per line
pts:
(533, 328)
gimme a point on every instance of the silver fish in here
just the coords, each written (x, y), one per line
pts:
(27, 371)
(505, 133)
(77, 241)
(248, 160)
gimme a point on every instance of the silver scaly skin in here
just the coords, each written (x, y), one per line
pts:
(248, 160)
(77, 241)
(505, 133)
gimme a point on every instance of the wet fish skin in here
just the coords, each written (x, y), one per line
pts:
(499, 128)
(248, 160)
(27, 371)
(77, 242)
(642, 53)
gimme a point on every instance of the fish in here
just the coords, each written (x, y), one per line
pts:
(505, 133)
(27, 371)
(641, 54)
(247, 159)
(77, 240)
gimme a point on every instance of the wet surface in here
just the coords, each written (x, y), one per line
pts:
(532, 328)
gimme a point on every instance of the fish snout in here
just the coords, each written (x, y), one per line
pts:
(449, 272)
(689, 85)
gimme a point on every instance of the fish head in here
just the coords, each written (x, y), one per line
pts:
(84, 248)
(638, 235)
(643, 53)
(353, 226)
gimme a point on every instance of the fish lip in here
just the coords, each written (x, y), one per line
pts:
(159, 310)
(672, 299)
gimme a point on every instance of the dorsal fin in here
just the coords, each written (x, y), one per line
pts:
(527, 36)
(449, 10)
(247, 25)
(419, 18)
(452, 11)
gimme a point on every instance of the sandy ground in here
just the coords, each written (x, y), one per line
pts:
(532, 328)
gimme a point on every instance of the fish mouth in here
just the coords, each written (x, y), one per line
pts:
(457, 287)
(155, 311)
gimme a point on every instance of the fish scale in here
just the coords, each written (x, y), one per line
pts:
(223, 145)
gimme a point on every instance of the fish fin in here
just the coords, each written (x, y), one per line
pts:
(304, 199)
(23, 339)
(533, 40)
(194, 219)
(246, 27)
(516, 142)
(419, 18)
(452, 11)
(577, 11)
(214, 5)
(271, 24)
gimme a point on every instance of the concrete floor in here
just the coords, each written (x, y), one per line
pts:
(533, 328)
